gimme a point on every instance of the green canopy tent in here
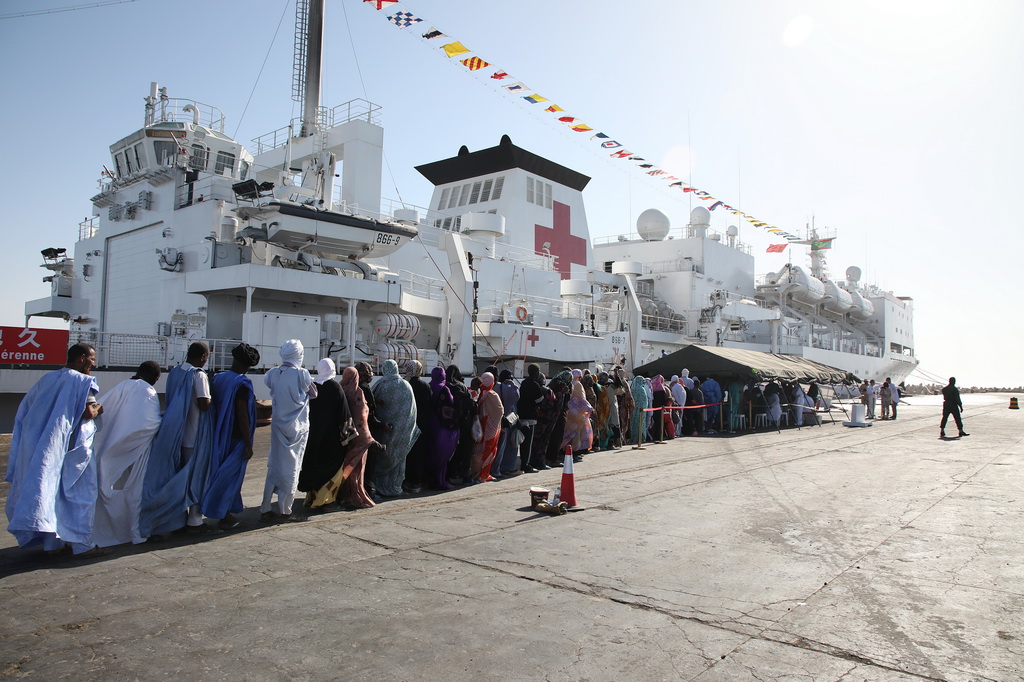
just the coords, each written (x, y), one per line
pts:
(744, 365)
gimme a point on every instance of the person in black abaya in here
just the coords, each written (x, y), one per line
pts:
(330, 429)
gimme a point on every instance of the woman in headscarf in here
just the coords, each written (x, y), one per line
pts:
(560, 387)
(639, 394)
(415, 461)
(649, 416)
(353, 489)
(624, 398)
(578, 431)
(547, 417)
(508, 446)
(396, 406)
(444, 430)
(330, 430)
(695, 396)
(658, 400)
(602, 413)
(465, 415)
(491, 411)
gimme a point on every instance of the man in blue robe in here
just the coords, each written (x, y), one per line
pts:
(179, 461)
(712, 397)
(234, 423)
(51, 469)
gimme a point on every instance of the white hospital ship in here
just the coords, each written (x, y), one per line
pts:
(197, 236)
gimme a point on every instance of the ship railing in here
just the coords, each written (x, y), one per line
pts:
(128, 351)
(212, 188)
(663, 324)
(176, 110)
(415, 284)
(554, 313)
(673, 265)
(326, 118)
(673, 234)
(88, 228)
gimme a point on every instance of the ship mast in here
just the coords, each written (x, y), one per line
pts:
(309, 44)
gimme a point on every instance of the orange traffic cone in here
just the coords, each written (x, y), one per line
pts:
(568, 480)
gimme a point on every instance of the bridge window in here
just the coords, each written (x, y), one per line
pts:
(225, 162)
(165, 152)
(200, 157)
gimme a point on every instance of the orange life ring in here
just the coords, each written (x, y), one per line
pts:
(522, 313)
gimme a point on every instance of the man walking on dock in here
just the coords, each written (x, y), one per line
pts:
(951, 405)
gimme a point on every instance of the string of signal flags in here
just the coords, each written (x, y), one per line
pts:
(455, 49)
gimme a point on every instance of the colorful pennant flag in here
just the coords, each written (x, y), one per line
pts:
(474, 63)
(454, 49)
(404, 19)
(776, 248)
(821, 244)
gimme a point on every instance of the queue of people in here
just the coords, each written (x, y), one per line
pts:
(90, 471)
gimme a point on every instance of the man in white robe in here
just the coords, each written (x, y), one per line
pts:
(872, 393)
(130, 421)
(51, 468)
(291, 387)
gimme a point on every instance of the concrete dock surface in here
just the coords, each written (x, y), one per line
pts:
(824, 553)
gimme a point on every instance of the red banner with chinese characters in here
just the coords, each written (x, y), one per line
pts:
(33, 346)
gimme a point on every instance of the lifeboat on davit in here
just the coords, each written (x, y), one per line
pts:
(295, 224)
(836, 300)
(804, 287)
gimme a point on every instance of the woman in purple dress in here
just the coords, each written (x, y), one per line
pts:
(444, 430)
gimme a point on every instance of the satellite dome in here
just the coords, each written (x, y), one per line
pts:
(732, 231)
(853, 274)
(700, 216)
(652, 225)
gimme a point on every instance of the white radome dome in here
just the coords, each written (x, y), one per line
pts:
(700, 216)
(652, 225)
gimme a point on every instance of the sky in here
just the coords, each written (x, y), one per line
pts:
(897, 123)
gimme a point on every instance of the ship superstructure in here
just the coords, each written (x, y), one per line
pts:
(195, 236)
